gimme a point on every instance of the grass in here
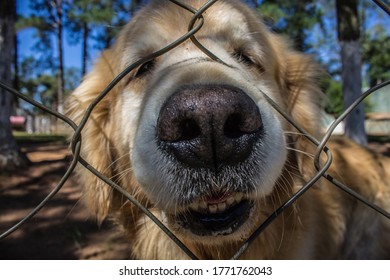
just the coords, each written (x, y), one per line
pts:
(23, 138)
(379, 138)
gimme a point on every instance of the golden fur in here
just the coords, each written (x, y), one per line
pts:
(324, 223)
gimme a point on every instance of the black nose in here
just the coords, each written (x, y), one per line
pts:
(209, 126)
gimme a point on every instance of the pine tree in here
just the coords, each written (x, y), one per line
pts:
(10, 156)
(48, 19)
(294, 18)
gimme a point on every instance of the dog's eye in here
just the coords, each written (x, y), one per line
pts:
(243, 58)
(145, 68)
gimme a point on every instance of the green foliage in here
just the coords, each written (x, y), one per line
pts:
(376, 53)
(121, 13)
(24, 137)
(87, 14)
(43, 85)
(333, 104)
(334, 97)
(294, 18)
(43, 43)
(72, 79)
(44, 19)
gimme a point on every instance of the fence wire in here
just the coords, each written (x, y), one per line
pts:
(194, 26)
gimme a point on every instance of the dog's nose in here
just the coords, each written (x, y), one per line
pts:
(209, 126)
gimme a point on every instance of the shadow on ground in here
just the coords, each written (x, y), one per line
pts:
(63, 228)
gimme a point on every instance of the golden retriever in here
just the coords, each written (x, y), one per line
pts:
(195, 139)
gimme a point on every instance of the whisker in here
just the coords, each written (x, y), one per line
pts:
(310, 155)
(120, 175)
(295, 133)
(115, 161)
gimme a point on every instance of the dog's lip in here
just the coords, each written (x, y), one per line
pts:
(216, 215)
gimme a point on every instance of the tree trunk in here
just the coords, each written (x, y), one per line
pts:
(351, 59)
(352, 89)
(85, 48)
(61, 81)
(10, 156)
(300, 38)
(16, 56)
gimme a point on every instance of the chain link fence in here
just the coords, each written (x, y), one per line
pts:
(194, 26)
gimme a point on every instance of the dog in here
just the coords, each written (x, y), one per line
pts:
(196, 135)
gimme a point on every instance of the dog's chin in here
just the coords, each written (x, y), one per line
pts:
(224, 218)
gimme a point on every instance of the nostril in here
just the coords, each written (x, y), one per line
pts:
(173, 129)
(232, 127)
(189, 130)
(239, 124)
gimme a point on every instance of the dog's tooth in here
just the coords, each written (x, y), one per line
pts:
(213, 208)
(238, 197)
(230, 200)
(221, 206)
(203, 205)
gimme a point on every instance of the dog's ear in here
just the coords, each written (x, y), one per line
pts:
(298, 76)
(95, 147)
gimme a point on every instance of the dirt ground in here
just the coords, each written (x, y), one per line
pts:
(63, 228)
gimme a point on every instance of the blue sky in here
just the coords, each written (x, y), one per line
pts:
(72, 53)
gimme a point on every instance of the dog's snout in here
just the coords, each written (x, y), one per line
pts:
(209, 126)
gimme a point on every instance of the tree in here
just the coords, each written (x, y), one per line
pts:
(105, 35)
(295, 18)
(42, 86)
(48, 19)
(10, 155)
(375, 44)
(348, 28)
(82, 18)
(58, 24)
(377, 56)
(99, 21)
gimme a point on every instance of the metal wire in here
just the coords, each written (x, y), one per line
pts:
(195, 25)
(383, 6)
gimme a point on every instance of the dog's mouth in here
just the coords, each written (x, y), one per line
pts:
(216, 215)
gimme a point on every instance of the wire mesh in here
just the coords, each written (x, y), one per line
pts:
(194, 26)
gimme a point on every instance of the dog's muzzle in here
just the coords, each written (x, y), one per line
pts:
(210, 127)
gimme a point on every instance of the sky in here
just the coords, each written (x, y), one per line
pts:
(72, 53)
